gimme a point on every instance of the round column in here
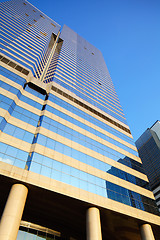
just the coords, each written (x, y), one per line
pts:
(146, 232)
(93, 224)
(13, 211)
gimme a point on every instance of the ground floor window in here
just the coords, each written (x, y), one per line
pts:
(30, 231)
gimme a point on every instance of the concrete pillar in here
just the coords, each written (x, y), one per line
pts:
(13, 211)
(93, 224)
(146, 232)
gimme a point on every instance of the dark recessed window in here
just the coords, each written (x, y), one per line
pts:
(24, 71)
(29, 24)
(18, 68)
(34, 11)
(53, 25)
(28, 30)
(26, 14)
(34, 20)
(92, 53)
(99, 83)
(24, 3)
(42, 16)
(14, 65)
(5, 60)
(45, 34)
(11, 64)
(90, 109)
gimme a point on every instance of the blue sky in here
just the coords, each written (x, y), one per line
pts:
(128, 34)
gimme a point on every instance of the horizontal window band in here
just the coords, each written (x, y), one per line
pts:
(17, 143)
(13, 65)
(18, 59)
(41, 102)
(23, 91)
(157, 193)
(21, 39)
(105, 143)
(80, 127)
(71, 109)
(35, 227)
(60, 84)
(110, 106)
(86, 84)
(84, 150)
(31, 128)
(11, 96)
(74, 71)
(65, 69)
(23, 103)
(77, 193)
(90, 100)
(95, 163)
(69, 161)
(23, 54)
(158, 200)
(90, 109)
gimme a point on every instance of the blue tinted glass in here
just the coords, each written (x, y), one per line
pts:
(62, 172)
(84, 115)
(12, 76)
(18, 133)
(12, 155)
(31, 102)
(59, 147)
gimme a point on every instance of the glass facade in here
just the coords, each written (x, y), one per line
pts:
(30, 231)
(71, 128)
(148, 146)
(33, 109)
(29, 38)
(82, 70)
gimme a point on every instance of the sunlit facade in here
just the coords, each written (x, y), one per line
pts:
(27, 35)
(65, 143)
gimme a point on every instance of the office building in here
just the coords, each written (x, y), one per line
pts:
(67, 153)
(148, 145)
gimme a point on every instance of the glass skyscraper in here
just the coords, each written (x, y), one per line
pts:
(148, 145)
(66, 151)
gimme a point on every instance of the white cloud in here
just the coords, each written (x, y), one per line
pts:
(6, 160)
